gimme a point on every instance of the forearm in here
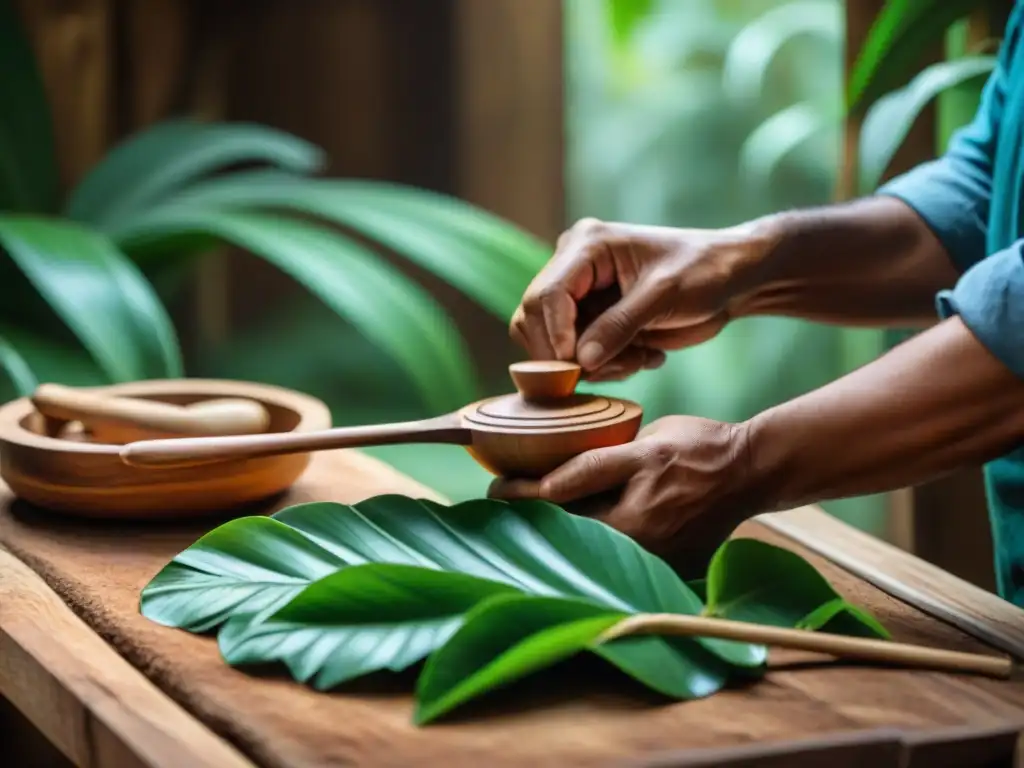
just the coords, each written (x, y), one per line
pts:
(933, 404)
(873, 262)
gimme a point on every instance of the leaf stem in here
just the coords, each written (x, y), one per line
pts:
(884, 651)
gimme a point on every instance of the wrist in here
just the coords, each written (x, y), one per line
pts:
(761, 242)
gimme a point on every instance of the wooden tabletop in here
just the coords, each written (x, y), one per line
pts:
(101, 712)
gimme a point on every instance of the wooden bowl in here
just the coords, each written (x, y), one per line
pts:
(90, 479)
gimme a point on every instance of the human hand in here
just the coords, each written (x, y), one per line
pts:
(681, 486)
(615, 297)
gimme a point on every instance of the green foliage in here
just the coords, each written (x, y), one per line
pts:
(486, 591)
(891, 117)
(727, 110)
(28, 165)
(899, 38)
(92, 274)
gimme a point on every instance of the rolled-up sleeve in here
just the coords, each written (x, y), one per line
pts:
(953, 195)
(990, 300)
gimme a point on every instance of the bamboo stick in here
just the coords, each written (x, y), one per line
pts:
(842, 646)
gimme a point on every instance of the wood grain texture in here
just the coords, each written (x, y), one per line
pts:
(879, 748)
(88, 701)
(921, 584)
(525, 435)
(90, 479)
(576, 714)
(510, 110)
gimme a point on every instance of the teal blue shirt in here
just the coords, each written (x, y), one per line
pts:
(971, 197)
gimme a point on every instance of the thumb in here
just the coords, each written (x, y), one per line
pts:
(614, 329)
(590, 473)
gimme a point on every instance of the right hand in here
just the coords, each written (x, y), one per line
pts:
(615, 297)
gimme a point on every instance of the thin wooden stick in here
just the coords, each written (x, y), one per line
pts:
(841, 646)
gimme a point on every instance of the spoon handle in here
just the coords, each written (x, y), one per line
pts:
(133, 416)
(201, 450)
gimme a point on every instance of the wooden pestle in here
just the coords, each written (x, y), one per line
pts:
(121, 420)
(840, 646)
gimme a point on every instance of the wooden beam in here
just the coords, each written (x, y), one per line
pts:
(90, 703)
(509, 110)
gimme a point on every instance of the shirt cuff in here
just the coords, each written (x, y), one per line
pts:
(951, 197)
(989, 298)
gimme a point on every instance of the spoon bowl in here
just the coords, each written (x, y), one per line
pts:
(524, 435)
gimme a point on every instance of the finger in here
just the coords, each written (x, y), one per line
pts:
(687, 336)
(581, 264)
(614, 330)
(590, 473)
(503, 488)
(629, 361)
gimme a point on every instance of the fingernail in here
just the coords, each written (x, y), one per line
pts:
(591, 354)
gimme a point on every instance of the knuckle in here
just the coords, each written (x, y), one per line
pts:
(590, 228)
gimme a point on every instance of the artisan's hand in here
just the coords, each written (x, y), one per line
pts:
(673, 289)
(679, 482)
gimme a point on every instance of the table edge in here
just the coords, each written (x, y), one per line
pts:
(87, 700)
(901, 574)
(120, 717)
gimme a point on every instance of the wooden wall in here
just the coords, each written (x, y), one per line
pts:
(459, 96)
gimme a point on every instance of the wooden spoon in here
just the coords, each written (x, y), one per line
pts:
(126, 419)
(523, 435)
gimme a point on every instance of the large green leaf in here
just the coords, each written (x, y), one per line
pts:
(355, 282)
(889, 119)
(751, 53)
(489, 260)
(20, 379)
(237, 570)
(774, 140)
(899, 37)
(487, 591)
(97, 292)
(360, 619)
(750, 580)
(532, 546)
(502, 640)
(157, 162)
(28, 164)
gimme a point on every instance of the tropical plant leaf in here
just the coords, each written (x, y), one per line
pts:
(17, 371)
(898, 39)
(487, 591)
(360, 619)
(624, 17)
(768, 145)
(752, 51)
(98, 293)
(237, 570)
(384, 304)
(157, 162)
(489, 260)
(891, 117)
(750, 580)
(51, 360)
(531, 546)
(28, 163)
(502, 640)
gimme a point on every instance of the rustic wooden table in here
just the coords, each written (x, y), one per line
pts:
(102, 712)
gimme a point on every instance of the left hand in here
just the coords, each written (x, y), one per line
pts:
(681, 482)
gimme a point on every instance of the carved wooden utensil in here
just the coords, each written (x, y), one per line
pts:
(119, 420)
(87, 478)
(521, 435)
